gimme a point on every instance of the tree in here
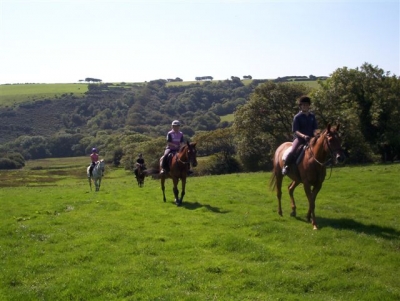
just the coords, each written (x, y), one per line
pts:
(265, 121)
(366, 102)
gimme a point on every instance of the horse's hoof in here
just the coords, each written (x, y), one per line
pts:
(315, 227)
(293, 214)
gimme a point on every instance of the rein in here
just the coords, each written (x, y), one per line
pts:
(180, 161)
(320, 163)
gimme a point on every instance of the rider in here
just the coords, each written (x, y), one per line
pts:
(174, 142)
(303, 127)
(139, 161)
(94, 156)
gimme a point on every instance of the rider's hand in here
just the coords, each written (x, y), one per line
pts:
(307, 138)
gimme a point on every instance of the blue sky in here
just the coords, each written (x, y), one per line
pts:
(134, 41)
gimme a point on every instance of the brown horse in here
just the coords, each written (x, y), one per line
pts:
(311, 170)
(140, 174)
(179, 165)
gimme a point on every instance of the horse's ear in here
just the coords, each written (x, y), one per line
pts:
(328, 128)
(338, 127)
(187, 142)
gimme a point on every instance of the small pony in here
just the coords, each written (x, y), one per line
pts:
(311, 170)
(179, 164)
(97, 174)
(141, 174)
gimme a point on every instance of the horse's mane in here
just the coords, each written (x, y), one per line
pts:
(183, 147)
(318, 134)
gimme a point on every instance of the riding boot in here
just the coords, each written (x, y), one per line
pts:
(163, 165)
(289, 160)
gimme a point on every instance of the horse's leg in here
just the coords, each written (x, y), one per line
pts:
(99, 182)
(183, 190)
(279, 178)
(175, 190)
(163, 187)
(311, 204)
(311, 213)
(291, 189)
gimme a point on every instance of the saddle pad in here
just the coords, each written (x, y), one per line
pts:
(286, 153)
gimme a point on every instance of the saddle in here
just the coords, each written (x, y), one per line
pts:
(167, 160)
(298, 153)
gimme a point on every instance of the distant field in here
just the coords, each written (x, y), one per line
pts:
(229, 117)
(14, 94)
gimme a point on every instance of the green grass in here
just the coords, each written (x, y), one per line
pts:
(228, 117)
(15, 94)
(11, 95)
(60, 241)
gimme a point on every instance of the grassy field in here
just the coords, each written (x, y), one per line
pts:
(15, 94)
(11, 95)
(228, 117)
(61, 241)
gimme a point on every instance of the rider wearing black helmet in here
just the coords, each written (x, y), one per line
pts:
(303, 127)
(139, 161)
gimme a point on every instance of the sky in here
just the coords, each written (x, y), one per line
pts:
(64, 41)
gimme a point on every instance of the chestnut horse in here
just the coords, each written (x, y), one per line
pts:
(311, 170)
(179, 165)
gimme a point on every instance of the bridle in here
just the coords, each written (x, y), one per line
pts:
(189, 151)
(332, 152)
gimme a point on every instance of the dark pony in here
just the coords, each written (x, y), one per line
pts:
(179, 165)
(311, 170)
(141, 174)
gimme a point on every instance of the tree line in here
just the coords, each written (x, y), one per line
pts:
(365, 101)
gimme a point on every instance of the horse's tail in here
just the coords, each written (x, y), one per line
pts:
(272, 182)
(153, 172)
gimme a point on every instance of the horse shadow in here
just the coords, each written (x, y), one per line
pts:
(197, 205)
(352, 225)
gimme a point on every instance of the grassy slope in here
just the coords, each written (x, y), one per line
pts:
(61, 241)
(15, 94)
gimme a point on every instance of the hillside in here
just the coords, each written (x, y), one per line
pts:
(143, 108)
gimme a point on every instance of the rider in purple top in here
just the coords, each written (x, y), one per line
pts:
(304, 126)
(174, 142)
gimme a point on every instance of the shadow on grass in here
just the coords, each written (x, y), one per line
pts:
(196, 205)
(352, 225)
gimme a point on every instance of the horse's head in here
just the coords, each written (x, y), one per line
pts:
(334, 143)
(192, 153)
(102, 164)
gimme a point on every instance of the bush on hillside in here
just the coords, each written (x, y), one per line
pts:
(12, 161)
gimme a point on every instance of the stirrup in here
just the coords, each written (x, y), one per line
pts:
(162, 171)
(285, 170)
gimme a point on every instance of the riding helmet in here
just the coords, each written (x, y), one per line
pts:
(94, 150)
(176, 122)
(304, 99)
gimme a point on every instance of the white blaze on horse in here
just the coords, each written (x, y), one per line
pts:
(97, 174)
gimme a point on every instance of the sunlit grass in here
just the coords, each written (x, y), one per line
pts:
(59, 240)
(15, 94)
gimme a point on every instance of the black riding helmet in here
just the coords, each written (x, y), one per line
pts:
(304, 99)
